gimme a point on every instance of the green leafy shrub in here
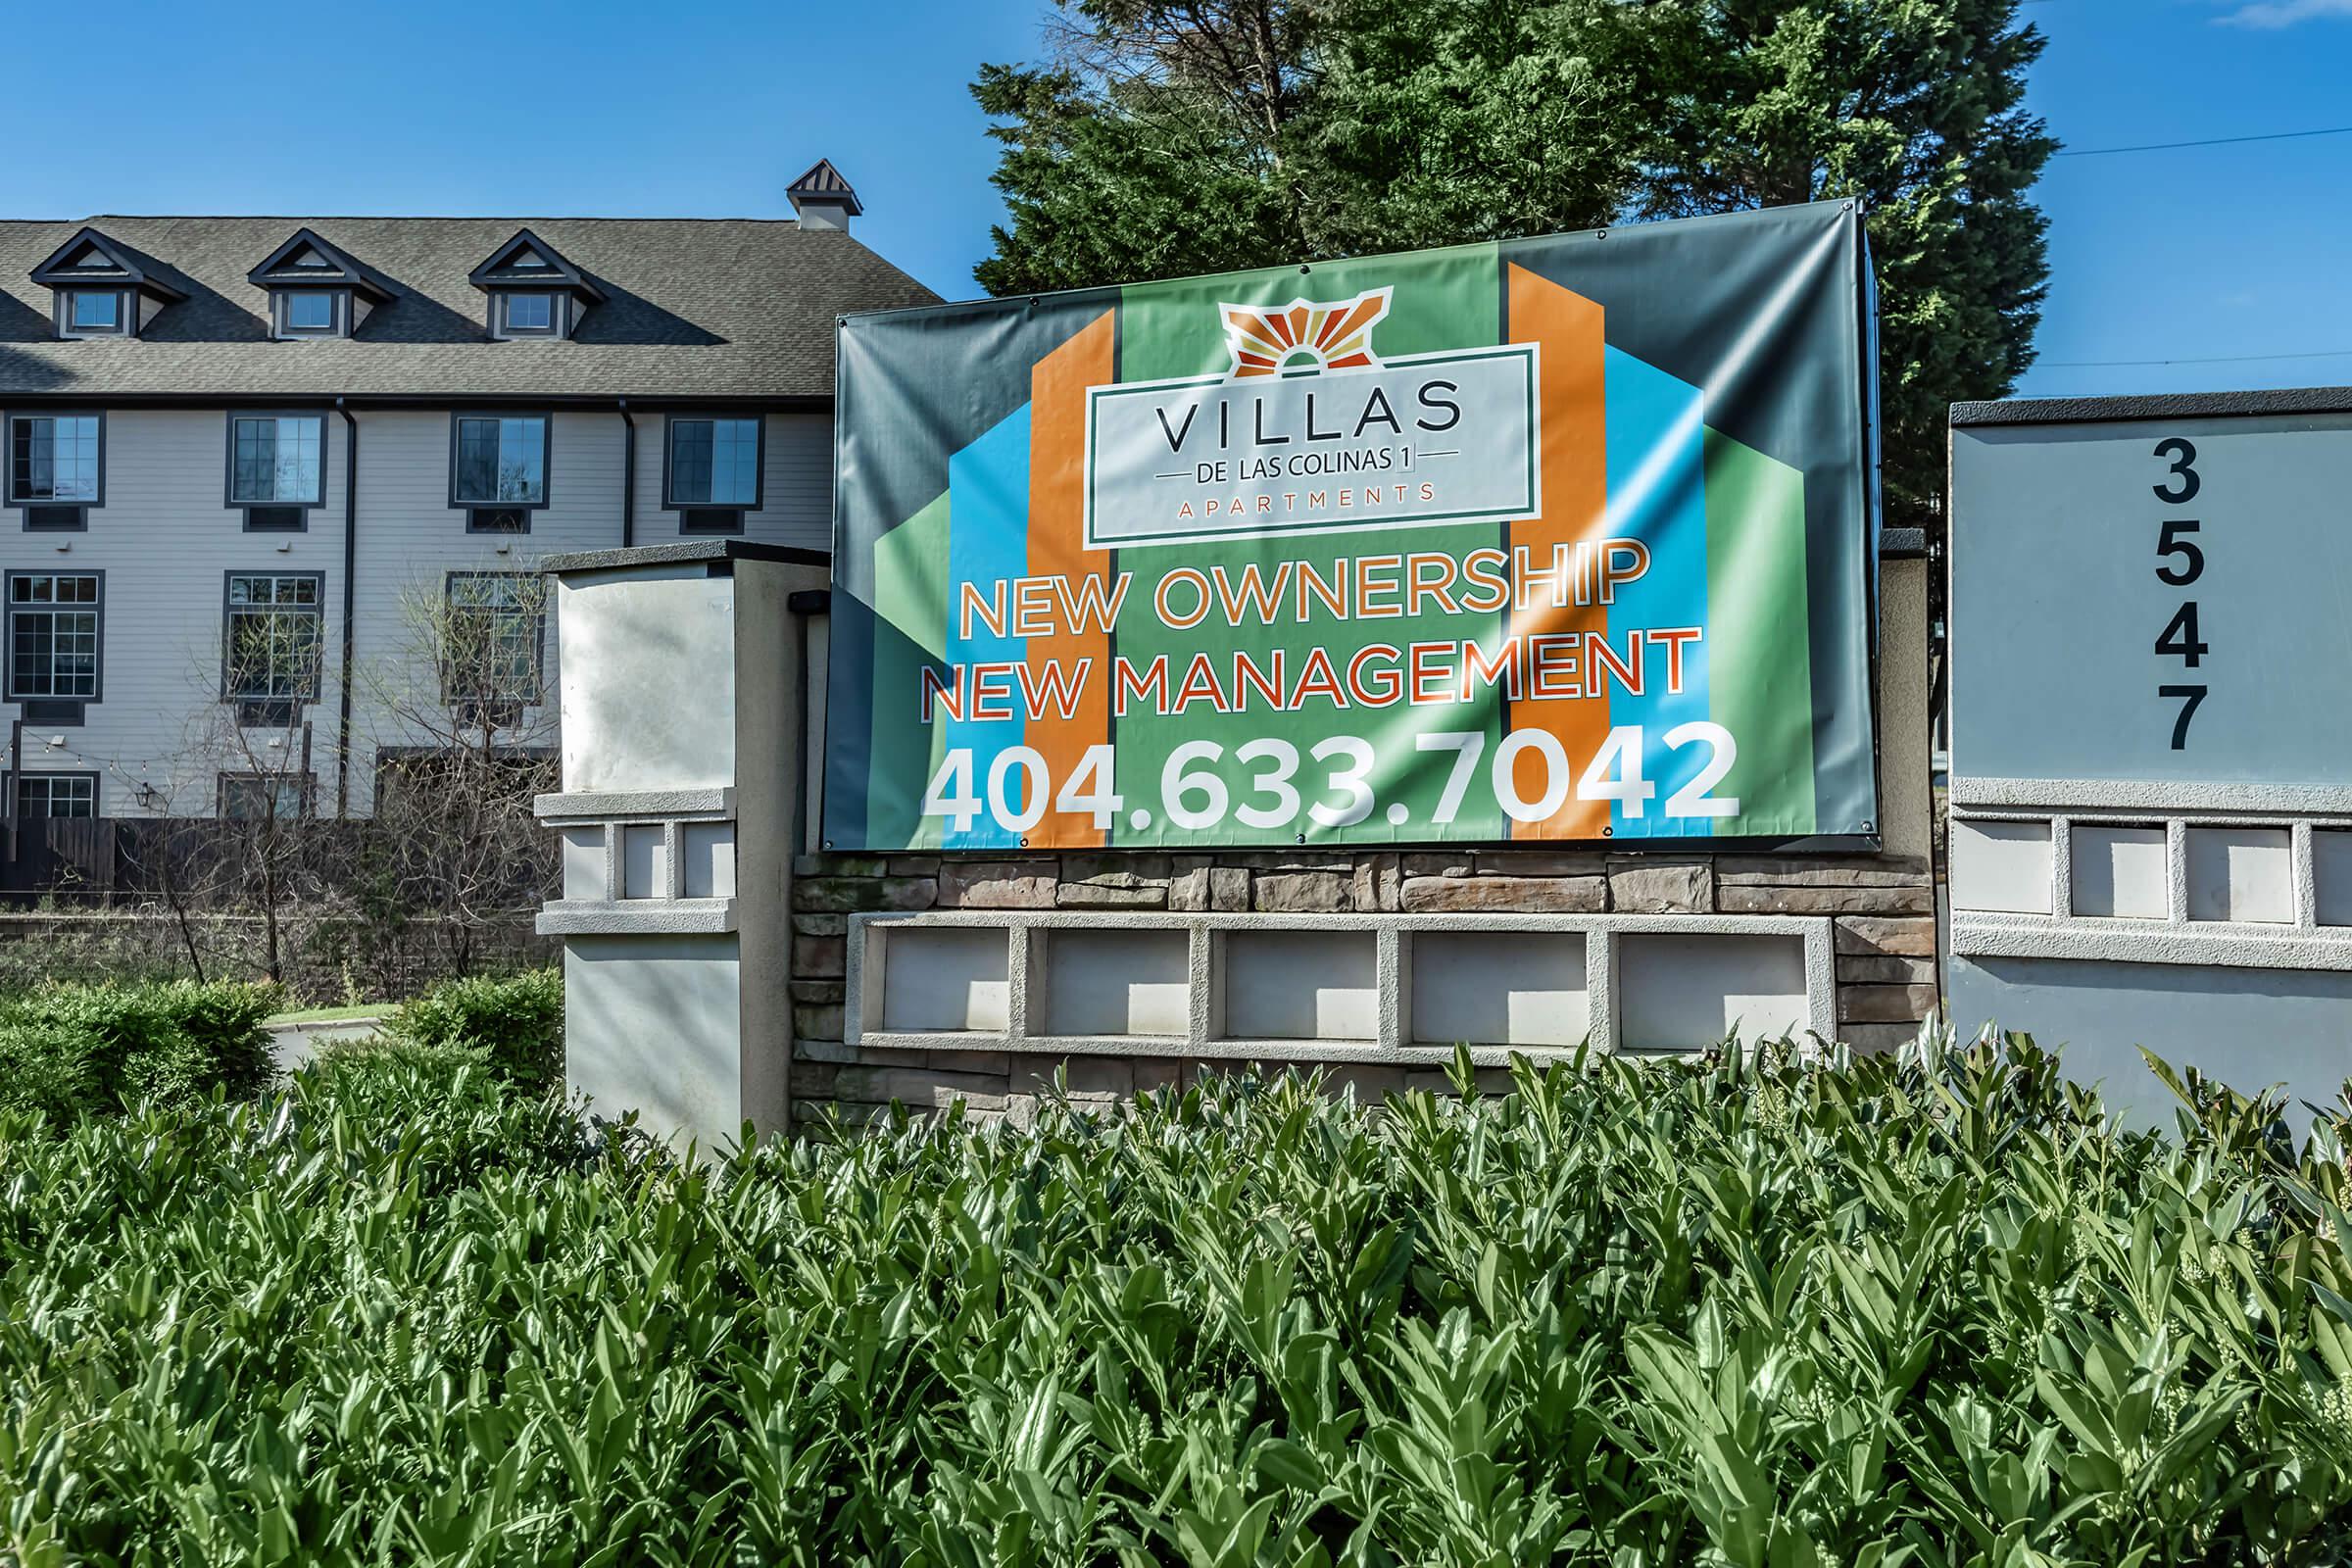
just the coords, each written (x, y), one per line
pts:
(75, 1049)
(1936, 1312)
(49, 1071)
(517, 1021)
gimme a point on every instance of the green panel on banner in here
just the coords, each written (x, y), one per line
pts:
(1757, 584)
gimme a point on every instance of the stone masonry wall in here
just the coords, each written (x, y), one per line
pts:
(1884, 908)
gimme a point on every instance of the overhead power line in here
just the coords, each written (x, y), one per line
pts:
(2211, 359)
(2209, 141)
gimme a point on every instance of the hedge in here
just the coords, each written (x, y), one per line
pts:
(74, 1049)
(1932, 1312)
(517, 1021)
(67, 1050)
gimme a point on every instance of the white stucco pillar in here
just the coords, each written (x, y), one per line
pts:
(680, 692)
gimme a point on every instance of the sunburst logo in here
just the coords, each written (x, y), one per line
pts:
(1303, 337)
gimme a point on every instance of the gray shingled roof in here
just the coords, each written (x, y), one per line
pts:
(696, 308)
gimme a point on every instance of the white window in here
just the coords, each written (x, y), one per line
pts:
(273, 459)
(53, 458)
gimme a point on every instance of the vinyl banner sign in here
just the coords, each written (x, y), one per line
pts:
(1551, 539)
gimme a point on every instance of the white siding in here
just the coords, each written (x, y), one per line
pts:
(165, 541)
(796, 481)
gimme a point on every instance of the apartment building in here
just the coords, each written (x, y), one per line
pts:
(244, 456)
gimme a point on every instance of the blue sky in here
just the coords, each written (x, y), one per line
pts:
(704, 110)
(2198, 252)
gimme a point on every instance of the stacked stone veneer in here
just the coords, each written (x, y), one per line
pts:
(1883, 909)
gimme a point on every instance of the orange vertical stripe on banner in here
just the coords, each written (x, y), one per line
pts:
(1057, 386)
(1574, 469)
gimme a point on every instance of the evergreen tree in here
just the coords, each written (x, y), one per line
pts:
(1440, 122)
(1175, 136)
(1163, 139)
(1914, 108)
(1169, 138)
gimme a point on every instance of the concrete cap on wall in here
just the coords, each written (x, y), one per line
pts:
(684, 552)
(2154, 406)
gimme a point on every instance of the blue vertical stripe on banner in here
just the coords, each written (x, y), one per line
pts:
(846, 739)
(1657, 495)
(988, 544)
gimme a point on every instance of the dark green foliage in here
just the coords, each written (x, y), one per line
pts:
(1916, 106)
(517, 1022)
(72, 1049)
(1474, 119)
(1934, 1313)
(1175, 138)
(1134, 210)
(1167, 138)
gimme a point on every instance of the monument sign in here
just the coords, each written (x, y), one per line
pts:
(2151, 791)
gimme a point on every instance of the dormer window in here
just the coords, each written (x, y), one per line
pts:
(318, 290)
(93, 312)
(532, 291)
(310, 311)
(526, 313)
(104, 289)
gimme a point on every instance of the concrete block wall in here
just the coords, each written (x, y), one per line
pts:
(1882, 910)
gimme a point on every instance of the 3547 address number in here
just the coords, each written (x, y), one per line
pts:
(2183, 563)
